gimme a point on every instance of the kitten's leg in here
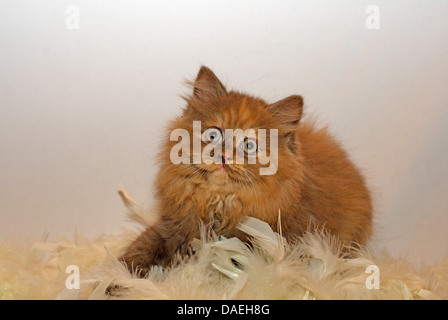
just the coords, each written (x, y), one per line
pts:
(158, 244)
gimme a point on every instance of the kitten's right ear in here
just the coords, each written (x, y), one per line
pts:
(207, 86)
(289, 110)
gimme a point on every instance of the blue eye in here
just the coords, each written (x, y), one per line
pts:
(249, 146)
(212, 135)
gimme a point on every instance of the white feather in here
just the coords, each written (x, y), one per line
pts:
(312, 268)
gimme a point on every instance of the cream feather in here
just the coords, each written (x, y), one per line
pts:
(312, 268)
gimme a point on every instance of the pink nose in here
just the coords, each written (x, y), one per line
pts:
(225, 158)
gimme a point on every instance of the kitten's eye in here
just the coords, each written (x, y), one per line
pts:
(212, 135)
(249, 146)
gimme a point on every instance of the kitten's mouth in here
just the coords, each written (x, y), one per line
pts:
(223, 172)
(228, 172)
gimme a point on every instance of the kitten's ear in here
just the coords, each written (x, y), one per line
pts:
(207, 86)
(288, 111)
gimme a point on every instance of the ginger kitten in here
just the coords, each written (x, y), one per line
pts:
(313, 183)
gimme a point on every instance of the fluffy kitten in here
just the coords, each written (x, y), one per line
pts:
(315, 183)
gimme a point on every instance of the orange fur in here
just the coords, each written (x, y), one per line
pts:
(316, 184)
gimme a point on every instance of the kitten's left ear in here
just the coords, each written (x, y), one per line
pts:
(207, 86)
(289, 111)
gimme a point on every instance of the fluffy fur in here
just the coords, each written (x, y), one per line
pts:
(313, 268)
(316, 184)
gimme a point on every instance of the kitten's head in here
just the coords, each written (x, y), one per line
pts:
(235, 161)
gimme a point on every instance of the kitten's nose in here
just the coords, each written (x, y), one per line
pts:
(226, 158)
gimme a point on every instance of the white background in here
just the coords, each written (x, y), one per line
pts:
(83, 110)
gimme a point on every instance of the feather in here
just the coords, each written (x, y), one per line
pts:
(100, 291)
(268, 241)
(135, 212)
(312, 268)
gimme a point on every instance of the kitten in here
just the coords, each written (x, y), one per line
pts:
(315, 184)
